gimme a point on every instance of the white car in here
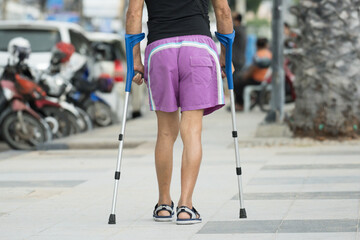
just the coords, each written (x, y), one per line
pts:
(43, 35)
(113, 62)
(113, 59)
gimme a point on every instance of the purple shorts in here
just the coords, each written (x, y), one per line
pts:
(184, 72)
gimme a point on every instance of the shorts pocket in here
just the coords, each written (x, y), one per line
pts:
(201, 70)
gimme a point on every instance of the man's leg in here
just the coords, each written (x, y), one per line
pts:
(190, 130)
(168, 130)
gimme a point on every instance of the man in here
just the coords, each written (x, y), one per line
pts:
(256, 72)
(181, 70)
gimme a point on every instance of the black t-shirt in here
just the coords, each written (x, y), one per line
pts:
(171, 18)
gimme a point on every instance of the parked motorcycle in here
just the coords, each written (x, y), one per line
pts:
(21, 127)
(86, 98)
(18, 71)
(57, 90)
(56, 82)
(51, 111)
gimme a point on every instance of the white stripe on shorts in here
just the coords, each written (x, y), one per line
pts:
(188, 44)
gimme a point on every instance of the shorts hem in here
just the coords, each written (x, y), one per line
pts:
(208, 108)
(164, 109)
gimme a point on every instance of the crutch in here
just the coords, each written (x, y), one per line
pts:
(130, 41)
(227, 40)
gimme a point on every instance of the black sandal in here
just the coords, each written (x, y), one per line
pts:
(163, 207)
(194, 216)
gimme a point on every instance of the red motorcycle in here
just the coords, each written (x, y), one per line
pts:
(51, 111)
(21, 127)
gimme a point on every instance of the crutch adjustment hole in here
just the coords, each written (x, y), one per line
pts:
(121, 137)
(234, 134)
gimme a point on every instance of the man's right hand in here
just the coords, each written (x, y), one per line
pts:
(139, 76)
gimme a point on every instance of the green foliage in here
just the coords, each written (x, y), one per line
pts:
(253, 5)
(257, 23)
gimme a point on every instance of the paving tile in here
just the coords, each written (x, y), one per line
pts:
(310, 166)
(273, 188)
(253, 236)
(300, 195)
(331, 187)
(240, 226)
(323, 153)
(60, 183)
(324, 209)
(303, 226)
(304, 180)
(256, 210)
(316, 236)
(163, 231)
(273, 226)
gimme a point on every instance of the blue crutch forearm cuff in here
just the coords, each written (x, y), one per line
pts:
(227, 40)
(130, 41)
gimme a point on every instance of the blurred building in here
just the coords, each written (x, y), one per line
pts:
(19, 9)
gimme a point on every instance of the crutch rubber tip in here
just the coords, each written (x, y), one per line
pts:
(243, 213)
(112, 219)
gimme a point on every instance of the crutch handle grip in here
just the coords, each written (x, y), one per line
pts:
(227, 40)
(130, 41)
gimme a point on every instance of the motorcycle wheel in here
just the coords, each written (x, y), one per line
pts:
(86, 119)
(14, 136)
(74, 126)
(100, 113)
(63, 122)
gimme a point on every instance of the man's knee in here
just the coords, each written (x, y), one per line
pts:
(169, 134)
(190, 132)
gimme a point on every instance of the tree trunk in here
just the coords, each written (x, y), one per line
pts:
(3, 9)
(328, 75)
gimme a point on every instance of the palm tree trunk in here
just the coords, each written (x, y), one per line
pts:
(328, 75)
(3, 9)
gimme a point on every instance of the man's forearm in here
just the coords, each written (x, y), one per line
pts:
(223, 22)
(223, 16)
(134, 25)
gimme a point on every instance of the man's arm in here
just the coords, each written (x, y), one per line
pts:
(133, 26)
(223, 22)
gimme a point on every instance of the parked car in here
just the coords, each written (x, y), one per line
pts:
(43, 35)
(113, 59)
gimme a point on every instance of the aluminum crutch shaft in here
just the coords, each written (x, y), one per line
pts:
(130, 42)
(227, 40)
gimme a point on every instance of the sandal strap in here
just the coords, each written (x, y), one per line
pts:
(164, 207)
(192, 212)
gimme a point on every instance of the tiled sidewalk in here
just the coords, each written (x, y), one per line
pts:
(292, 192)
